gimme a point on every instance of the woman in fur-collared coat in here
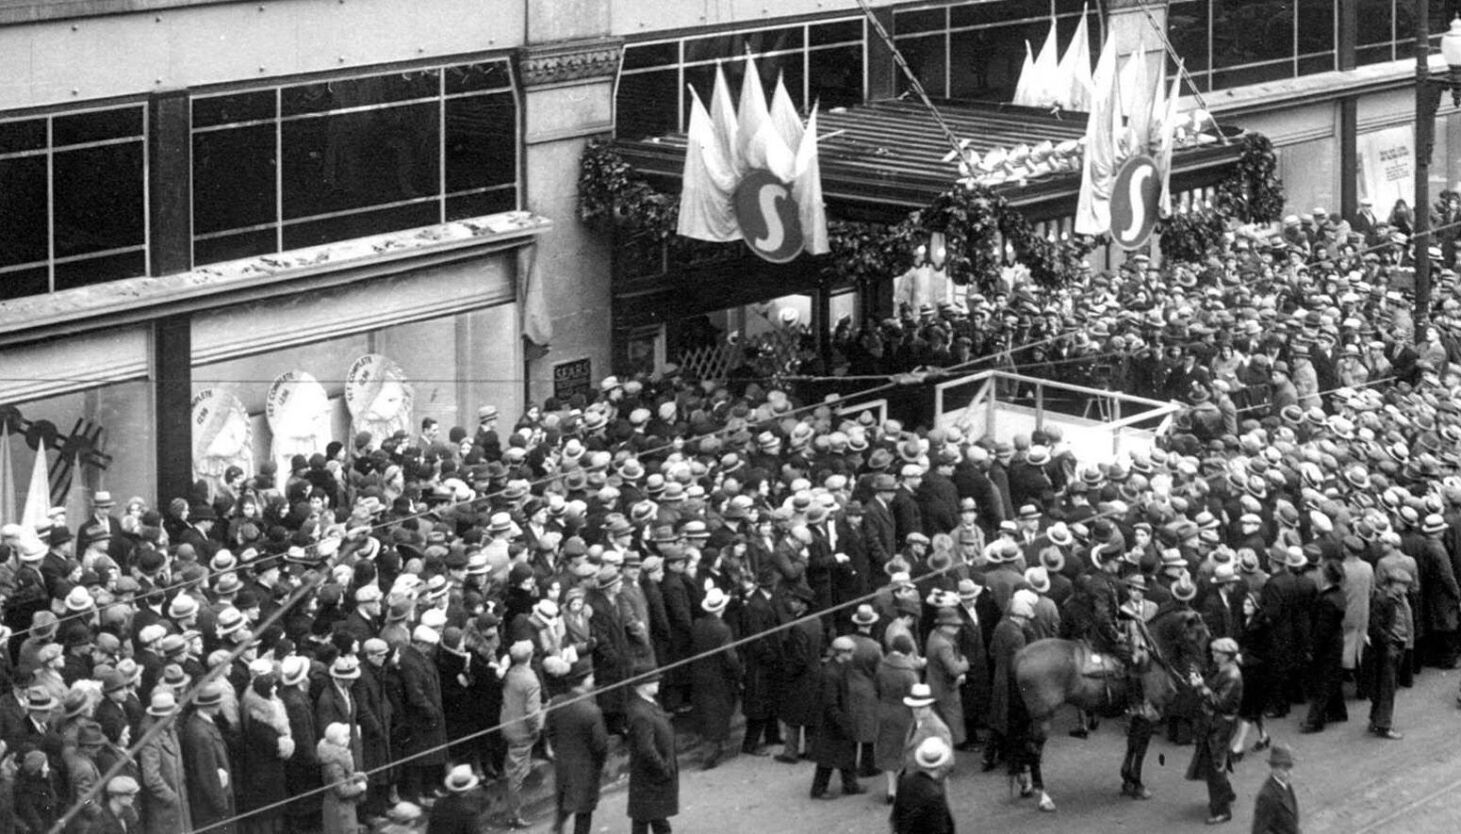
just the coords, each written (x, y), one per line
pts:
(346, 784)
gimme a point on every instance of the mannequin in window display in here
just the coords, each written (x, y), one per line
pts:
(222, 438)
(299, 417)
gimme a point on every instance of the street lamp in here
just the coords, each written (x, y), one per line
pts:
(1427, 102)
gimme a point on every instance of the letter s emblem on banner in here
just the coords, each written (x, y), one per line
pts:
(768, 215)
(1134, 199)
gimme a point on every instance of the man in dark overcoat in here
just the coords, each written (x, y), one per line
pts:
(922, 805)
(425, 726)
(715, 676)
(580, 744)
(834, 747)
(801, 654)
(654, 772)
(205, 755)
(762, 663)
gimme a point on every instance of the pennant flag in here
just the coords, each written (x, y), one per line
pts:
(807, 189)
(1075, 69)
(709, 175)
(1027, 77)
(1045, 85)
(537, 322)
(8, 513)
(1136, 104)
(1098, 169)
(76, 502)
(1168, 127)
(724, 144)
(38, 497)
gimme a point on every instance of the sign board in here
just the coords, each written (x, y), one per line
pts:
(1135, 196)
(1387, 167)
(379, 397)
(222, 436)
(571, 378)
(769, 217)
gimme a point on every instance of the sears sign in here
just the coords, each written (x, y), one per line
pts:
(769, 217)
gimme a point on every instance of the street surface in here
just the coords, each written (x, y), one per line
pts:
(1347, 781)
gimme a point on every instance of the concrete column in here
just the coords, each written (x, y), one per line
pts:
(566, 77)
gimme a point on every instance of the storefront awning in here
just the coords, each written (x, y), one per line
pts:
(883, 159)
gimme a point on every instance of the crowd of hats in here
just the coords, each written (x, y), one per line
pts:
(645, 472)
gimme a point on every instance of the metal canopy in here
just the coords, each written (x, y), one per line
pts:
(886, 157)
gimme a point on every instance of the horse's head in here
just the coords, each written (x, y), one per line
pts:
(1162, 680)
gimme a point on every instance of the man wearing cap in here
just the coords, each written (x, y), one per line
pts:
(612, 651)
(363, 622)
(907, 517)
(1390, 628)
(1276, 808)
(880, 533)
(425, 726)
(937, 497)
(922, 806)
(834, 747)
(205, 755)
(575, 730)
(118, 813)
(1326, 676)
(946, 670)
(522, 724)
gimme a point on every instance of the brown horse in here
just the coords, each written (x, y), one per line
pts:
(1052, 673)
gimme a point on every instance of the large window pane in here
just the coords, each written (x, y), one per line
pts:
(1254, 74)
(1187, 28)
(1316, 26)
(646, 104)
(927, 58)
(25, 135)
(1001, 11)
(24, 282)
(84, 273)
(484, 202)
(481, 141)
(360, 92)
(739, 43)
(121, 123)
(98, 199)
(234, 178)
(1251, 31)
(923, 20)
(315, 232)
(990, 59)
(232, 247)
(240, 107)
(836, 76)
(651, 55)
(1377, 18)
(355, 160)
(23, 210)
(474, 78)
(841, 31)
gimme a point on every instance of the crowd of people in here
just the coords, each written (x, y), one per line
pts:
(376, 635)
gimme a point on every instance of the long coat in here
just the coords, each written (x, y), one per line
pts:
(205, 756)
(835, 743)
(1220, 719)
(919, 731)
(522, 715)
(896, 676)
(262, 783)
(762, 658)
(654, 772)
(1009, 638)
(425, 727)
(580, 746)
(164, 806)
(946, 665)
(921, 806)
(801, 655)
(714, 678)
(1440, 597)
(862, 685)
(1287, 602)
(335, 707)
(611, 652)
(375, 716)
(337, 766)
(302, 770)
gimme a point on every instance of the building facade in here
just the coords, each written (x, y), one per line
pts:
(199, 197)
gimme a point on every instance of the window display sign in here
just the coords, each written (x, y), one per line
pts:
(1387, 167)
(298, 411)
(571, 378)
(222, 437)
(379, 398)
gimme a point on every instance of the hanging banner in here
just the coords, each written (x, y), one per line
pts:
(222, 437)
(379, 398)
(298, 411)
(1387, 167)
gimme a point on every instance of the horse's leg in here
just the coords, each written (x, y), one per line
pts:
(1138, 736)
(1040, 732)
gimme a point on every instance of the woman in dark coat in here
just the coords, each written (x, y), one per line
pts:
(896, 676)
(267, 745)
(654, 772)
(575, 729)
